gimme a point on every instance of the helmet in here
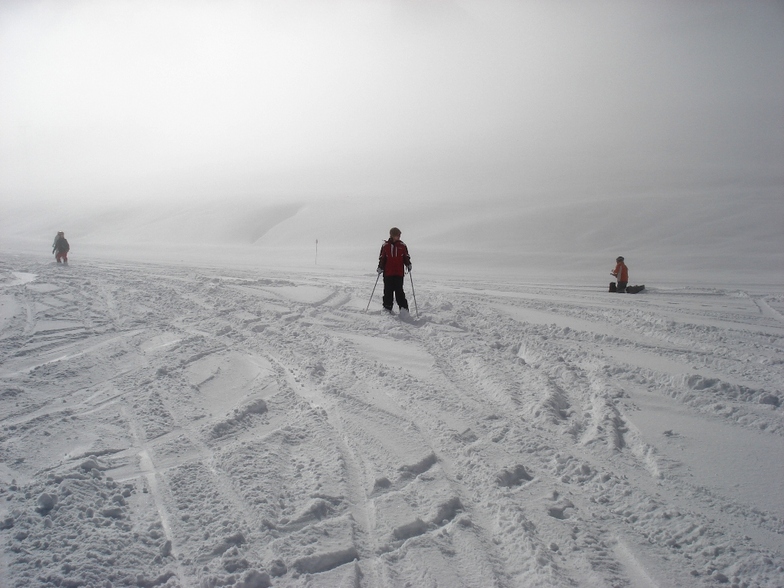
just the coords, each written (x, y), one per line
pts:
(619, 258)
(394, 231)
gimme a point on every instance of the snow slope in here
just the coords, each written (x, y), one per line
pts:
(165, 425)
(711, 235)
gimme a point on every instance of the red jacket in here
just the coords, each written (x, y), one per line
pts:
(621, 272)
(393, 258)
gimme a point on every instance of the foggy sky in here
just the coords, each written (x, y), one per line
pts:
(114, 101)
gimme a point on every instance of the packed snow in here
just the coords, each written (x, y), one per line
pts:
(181, 425)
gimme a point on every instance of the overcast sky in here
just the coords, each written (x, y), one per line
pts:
(290, 100)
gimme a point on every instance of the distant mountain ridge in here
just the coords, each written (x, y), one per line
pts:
(678, 233)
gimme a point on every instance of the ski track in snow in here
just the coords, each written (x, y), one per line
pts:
(172, 426)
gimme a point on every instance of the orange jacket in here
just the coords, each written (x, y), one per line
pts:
(621, 272)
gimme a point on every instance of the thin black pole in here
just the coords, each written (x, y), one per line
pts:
(413, 293)
(373, 292)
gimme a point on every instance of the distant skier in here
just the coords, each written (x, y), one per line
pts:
(60, 248)
(391, 262)
(621, 272)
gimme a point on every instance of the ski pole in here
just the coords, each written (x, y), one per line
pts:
(373, 292)
(413, 293)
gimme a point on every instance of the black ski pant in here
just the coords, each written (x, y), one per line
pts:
(393, 286)
(621, 287)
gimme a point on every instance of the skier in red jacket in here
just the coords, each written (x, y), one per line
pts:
(621, 272)
(391, 262)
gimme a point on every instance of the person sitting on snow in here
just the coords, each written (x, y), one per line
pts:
(621, 272)
(60, 248)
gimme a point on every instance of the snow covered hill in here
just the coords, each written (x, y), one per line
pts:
(166, 425)
(711, 236)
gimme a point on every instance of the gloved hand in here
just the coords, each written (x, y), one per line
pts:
(408, 267)
(380, 270)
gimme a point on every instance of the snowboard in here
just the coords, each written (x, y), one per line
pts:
(629, 289)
